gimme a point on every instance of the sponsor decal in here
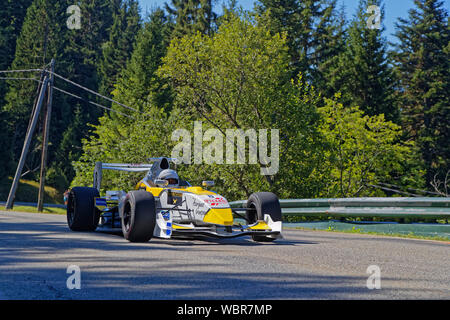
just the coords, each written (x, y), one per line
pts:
(100, 202)
(198, 204)
(166, 215)
(216, 201)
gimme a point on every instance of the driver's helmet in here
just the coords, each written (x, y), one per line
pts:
(171, 176)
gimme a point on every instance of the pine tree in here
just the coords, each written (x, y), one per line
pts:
(422, 61)
(363, 74)
(41, 38)
(191, 16)
(45, 35)
(82, 53)
(311, 28)
(138, 85)
(117, 51)
(331, 45)
(11, 19)
(12, 15)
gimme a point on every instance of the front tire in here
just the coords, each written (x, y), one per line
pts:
(263, 203)
(138, 216)
(82, 215)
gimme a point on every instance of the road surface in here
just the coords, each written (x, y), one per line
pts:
(36, 250)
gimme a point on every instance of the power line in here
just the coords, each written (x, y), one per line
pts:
(45, 87)
(11, 78)
(91, 102)
(407, 188)
(393, 190)
(72, 83)
(93, 92)
(72, 95)
(19, 71)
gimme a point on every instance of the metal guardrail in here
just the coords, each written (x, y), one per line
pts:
(420, 207)
(426, 207)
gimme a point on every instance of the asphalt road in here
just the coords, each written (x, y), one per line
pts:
(36, 250)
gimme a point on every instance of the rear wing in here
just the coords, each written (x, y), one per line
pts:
(156, 163)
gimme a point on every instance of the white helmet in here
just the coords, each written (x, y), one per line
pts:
(171, 176)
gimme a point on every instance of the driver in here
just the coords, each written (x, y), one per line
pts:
(171, 176)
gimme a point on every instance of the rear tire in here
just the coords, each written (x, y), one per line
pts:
(82, 215)
(263, 203)
(138, 216)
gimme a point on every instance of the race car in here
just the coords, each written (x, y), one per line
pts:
(170, 208)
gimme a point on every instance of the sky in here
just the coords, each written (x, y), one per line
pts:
(393, 10)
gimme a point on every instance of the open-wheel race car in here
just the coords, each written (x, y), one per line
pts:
(164, 206)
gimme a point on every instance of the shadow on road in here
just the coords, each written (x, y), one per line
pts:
(34, 257)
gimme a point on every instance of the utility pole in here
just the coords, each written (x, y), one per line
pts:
(26, 145)
(45, 135)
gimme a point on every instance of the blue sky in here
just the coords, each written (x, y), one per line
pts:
(393, 9)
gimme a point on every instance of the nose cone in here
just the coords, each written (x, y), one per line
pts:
(222, 216)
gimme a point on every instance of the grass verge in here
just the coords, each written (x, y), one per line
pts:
(385, 234)
(34, 209)
(28, 191)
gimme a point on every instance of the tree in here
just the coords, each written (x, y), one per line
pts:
(117, 51)
(79, 57)
(312, 32)
(119, 139)
(123, 142)
(45, 35)
(364, 150)
(331, 44)
(422, 58)
(364, 74)
(139, 85)
(191, 16)
(11, 20)
(238, 78)
(41, 37)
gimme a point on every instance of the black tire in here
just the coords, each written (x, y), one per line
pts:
(263, 203)
(82, 215)
(138, 216)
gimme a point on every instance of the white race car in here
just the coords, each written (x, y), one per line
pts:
(156, 209)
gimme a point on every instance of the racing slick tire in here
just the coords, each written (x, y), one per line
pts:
(82, 215)
(138, 216)
(263, 203)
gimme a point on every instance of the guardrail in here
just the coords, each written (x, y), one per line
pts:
(420, 207)
(424, 207)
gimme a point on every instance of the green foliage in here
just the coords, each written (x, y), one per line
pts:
(117, 51)
(363, 73)
(422, 63)
(191, 16)
(239, 79)
(138, 85)
(12, 16)
(44, 35)
(364, 150)
(313, 34)
(119, 139)
(36, 44)
(267, 69)
(113, 142)
(11, 19)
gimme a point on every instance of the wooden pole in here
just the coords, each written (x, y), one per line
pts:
(26, 146)
(45, 135)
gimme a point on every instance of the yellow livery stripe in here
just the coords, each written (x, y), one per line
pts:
(260, 226)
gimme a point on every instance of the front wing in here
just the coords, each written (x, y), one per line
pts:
(215, 234)
(166, 228)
